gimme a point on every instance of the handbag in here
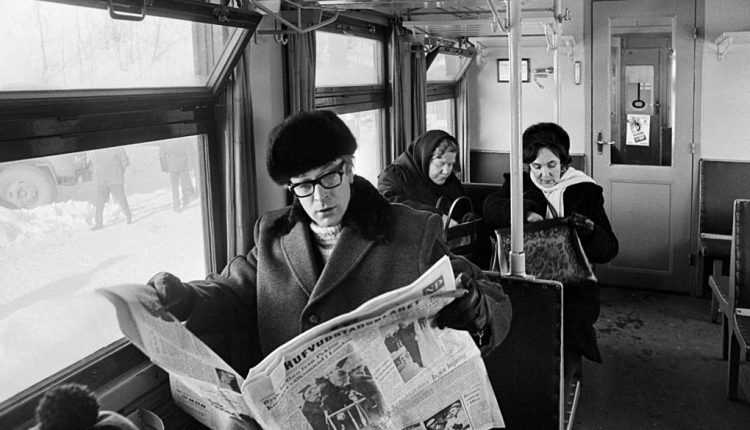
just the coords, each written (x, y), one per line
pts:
(462, 236)
(553, 251)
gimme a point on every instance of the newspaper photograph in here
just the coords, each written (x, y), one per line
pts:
(384, 365)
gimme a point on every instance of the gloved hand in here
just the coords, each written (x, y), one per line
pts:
(469, 312)
(583, 225)
(469, 216)
(176, 297)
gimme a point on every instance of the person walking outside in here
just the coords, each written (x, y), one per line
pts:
(109, 172)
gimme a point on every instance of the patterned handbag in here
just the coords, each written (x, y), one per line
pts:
(553, 251)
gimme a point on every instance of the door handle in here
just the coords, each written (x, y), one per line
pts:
(600, 142)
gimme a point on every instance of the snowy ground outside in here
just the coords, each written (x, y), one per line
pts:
(51, 262)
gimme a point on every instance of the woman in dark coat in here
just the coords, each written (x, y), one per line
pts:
(552, 189)
(424, 173)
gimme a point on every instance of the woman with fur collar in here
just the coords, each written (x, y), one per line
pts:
(338, 245)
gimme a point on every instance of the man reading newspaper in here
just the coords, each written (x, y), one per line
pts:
(337, 246)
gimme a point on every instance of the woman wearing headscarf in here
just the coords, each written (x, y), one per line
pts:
(554, 189)
(424, 173)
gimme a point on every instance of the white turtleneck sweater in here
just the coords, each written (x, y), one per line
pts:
(325, 239)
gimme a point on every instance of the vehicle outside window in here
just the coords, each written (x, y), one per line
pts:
(31, 183)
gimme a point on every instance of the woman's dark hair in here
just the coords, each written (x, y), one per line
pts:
(546, 135)
(67, 407)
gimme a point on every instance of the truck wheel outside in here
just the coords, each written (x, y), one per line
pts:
(27, 186)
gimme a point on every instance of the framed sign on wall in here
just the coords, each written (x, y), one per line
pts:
(503, 70)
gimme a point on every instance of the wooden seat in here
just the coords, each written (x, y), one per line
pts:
(721, 182)
(739, 298)
(463, 238)
(525, 369)
(720, 292)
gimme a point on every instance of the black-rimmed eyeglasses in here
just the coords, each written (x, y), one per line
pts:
(329, 180)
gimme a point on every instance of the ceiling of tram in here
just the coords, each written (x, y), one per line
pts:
(452, 19)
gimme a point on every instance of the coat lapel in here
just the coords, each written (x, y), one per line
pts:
(300, 256)
(348, 252)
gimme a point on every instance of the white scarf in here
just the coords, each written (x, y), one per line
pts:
(554, 194)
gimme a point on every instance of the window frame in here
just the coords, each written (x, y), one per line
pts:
(71, 126)
(351, 99)
(246, 22)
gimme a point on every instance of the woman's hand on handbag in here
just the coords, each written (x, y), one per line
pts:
(451, 222)
(469, 216)
(583, 225)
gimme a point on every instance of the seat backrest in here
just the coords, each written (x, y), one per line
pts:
(488, 166)
(721, 182)
(468, 239)
(463, 238)
(477, 192)
(739, 266)
(524, 369)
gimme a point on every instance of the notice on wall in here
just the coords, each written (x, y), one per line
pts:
(638, 130)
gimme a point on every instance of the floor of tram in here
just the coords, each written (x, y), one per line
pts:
(662, 367)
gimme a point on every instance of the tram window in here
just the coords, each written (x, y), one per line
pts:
(443, 75)
(59, 46)
(350, 79)
(344, 60)
(367, 127)
(441, 116)
(52, 260)
(446, 68)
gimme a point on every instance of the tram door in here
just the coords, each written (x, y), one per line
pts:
(642, 128)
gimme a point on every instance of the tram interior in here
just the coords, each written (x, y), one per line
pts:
(211, 78)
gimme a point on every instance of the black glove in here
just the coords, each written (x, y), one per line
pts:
(469, 216)
(469, 312)
(583, 225)
(176, 297)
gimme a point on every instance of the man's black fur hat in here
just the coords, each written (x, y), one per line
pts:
(305, 141)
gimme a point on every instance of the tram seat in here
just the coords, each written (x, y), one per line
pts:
(468, 239)
(525, 369)
(721, 182)
(739, 300)
(478, 191)
(720, 289)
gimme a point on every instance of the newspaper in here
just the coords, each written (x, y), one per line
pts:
(384, 365)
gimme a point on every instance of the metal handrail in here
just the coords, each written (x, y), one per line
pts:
(277, 16)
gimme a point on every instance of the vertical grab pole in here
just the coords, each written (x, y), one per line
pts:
(517, 257)
(556, 57)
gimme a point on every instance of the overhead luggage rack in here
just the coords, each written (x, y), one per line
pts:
(474, 27)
